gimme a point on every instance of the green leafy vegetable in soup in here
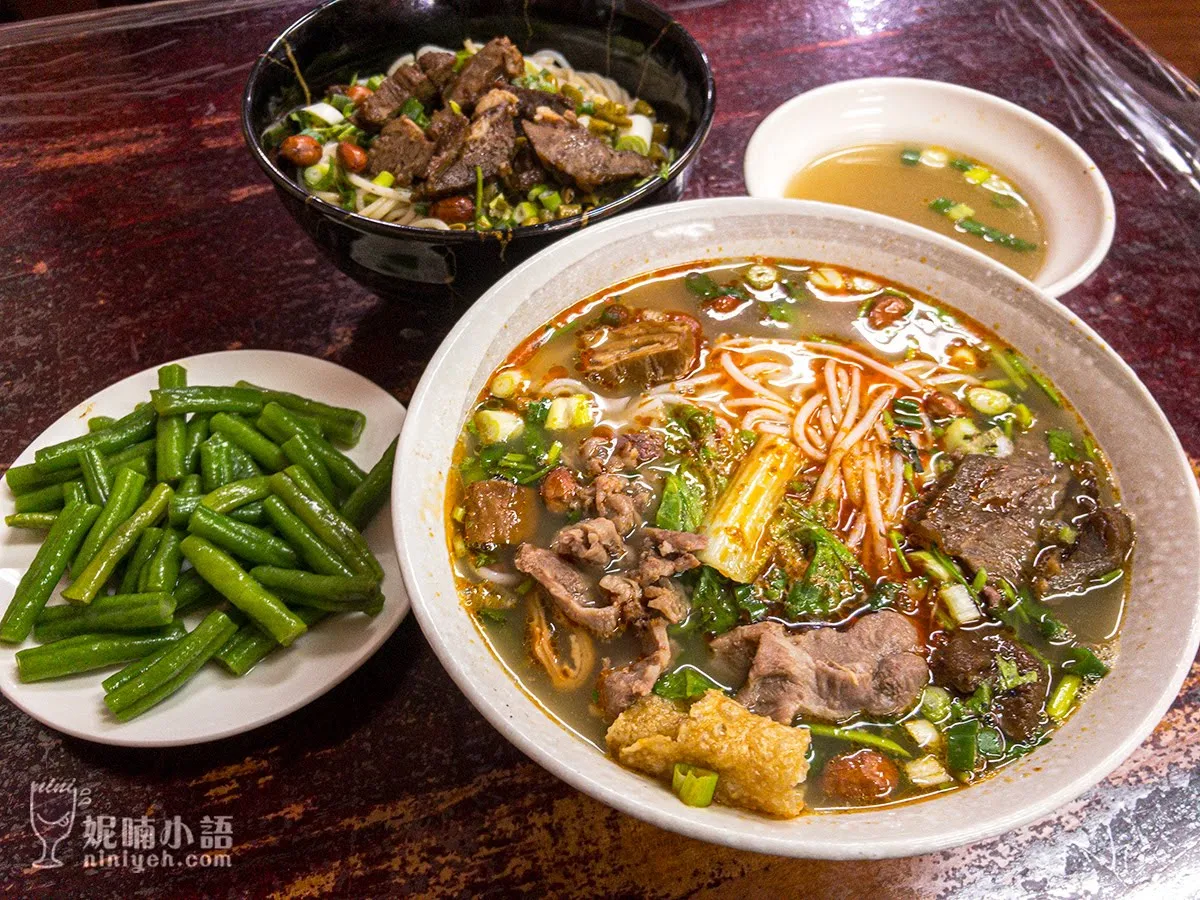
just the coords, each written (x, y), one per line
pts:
(773, 504)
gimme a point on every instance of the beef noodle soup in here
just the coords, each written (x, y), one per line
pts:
(786, 536)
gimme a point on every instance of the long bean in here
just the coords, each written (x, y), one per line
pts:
(135, 668)
(97, 480)
(119, 612)
(173, 401)
(162, 569)
(331, 592)
(36, 520)
(344, 471)
(186, 499)
(119, 543)
(141, 692)
(325, 522)
(370, 496)
(99, 423)
(26, 478)
(242, 434)
(192, 591)
(244, 465)
(237, 586)
(146, 544)
(216, 465)
(230, 496)
(318, 555)
(310, 490)
(74, 492)
(197, 434)
(250, 644)
(137, 426)
(122, 501)
(49, 564)
(342, 424)
(41, 500)
(171, 430)
(241, 539)
(90, 651)
(279, 423)
(300, 452)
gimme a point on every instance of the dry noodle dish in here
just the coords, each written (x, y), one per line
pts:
(483, 139)
(786, 536)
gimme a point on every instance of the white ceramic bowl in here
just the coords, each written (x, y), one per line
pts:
(1058, 178)
(1156, 481)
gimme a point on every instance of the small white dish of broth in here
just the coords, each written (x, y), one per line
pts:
(768, 522)
(991, 175)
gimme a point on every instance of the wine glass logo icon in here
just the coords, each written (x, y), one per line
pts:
(51, 815)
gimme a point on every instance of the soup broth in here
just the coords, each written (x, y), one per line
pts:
(792, 358)
(945, 192)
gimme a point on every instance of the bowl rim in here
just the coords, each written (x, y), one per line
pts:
(437, 236)
(783, 113)
(430, 400)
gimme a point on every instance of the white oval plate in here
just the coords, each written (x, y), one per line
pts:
(1063, 183)
(214, 704)
(1161, 628)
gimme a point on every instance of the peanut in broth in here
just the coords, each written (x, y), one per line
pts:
(806, 301)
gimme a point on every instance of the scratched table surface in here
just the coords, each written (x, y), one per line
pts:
(135, 229)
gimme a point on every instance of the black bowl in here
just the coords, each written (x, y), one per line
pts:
(631, 40)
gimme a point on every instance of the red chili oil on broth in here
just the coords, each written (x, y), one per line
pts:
(811, 362)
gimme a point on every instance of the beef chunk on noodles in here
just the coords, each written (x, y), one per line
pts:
(577, 154)
(499, 513)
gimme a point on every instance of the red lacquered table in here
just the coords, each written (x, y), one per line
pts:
(135, 229)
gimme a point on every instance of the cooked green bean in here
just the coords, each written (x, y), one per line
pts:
(94, 575)
(171, 429)
(162, 570)
(135, 668)
(370, 496)
(309, 489)
(216, 465)
(330, 592)
(46, 570)
(118, 612)
(301, 453)
(197, 434)
(342, 424)
(74, 492)
(26, 478)
(90, 651)
(244, 465)
(251, 513)
(192, 591)
(137, 426)
(250, 644)
(31, 520)
(242, 434)
(325, 522)
(318, 555)
(173, 401)
(168, 673)
(345, 473)
(99, 423)
(230, 496)
(96, 478)
(235, 584)
(122, 501)
(41, 500)
(279, 423)
(186, 499)
(249, 542)
(146, 544)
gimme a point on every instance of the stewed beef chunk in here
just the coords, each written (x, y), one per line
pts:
(407, 81)
(964, 661)
(619, 688)
(875, 666)
(526, 170)
(1105, 536)
(401, 149)
(561, 491)
(643, 353)
(499, 513)
(498, 59)
(532, 100)
(448, 132)
(987, 511)
(593, 541)
(488, 147)
(569, 590)
(438, 66)
(576, 153)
